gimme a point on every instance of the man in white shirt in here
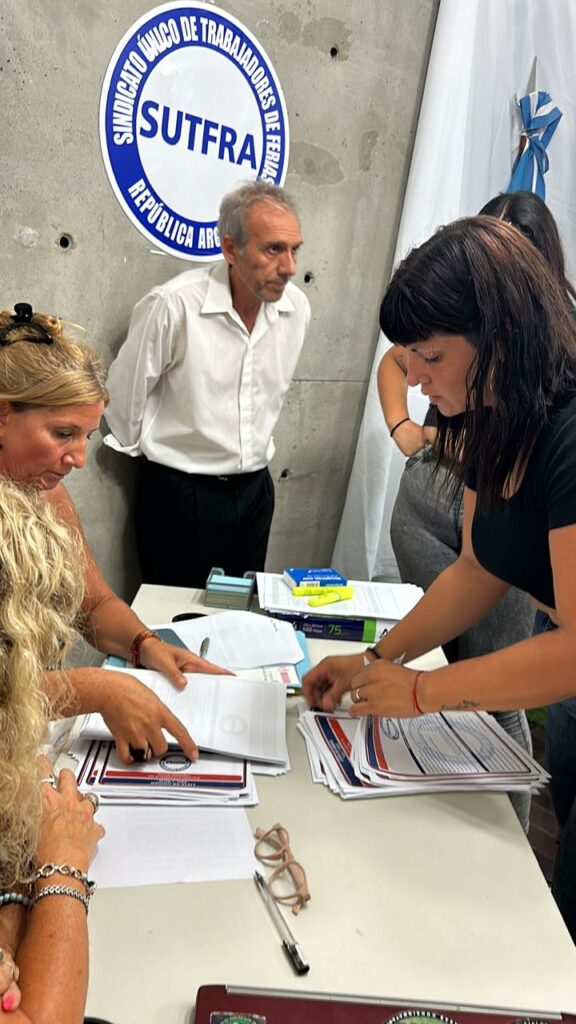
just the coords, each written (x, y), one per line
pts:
(197, 389)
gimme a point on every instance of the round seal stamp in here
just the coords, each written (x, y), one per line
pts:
(175, 762)
(419, 1017)
(190, 108)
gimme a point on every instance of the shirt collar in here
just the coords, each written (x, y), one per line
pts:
(218, 297)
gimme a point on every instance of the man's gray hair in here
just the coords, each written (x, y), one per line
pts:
(232, 219)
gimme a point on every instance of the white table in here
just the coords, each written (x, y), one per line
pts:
(433, 898)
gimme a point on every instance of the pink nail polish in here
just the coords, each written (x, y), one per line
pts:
(7, 1003)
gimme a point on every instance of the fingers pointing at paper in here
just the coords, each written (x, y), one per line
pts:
(136, 717)
(325, 685)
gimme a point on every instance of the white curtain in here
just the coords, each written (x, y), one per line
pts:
(482, 54)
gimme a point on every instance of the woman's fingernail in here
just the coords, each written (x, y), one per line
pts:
(8, 1002)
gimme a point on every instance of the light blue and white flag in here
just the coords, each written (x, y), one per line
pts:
(540, 119)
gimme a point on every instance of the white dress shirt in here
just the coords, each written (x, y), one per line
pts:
(191, 388)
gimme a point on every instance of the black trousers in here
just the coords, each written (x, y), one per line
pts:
(187, 523)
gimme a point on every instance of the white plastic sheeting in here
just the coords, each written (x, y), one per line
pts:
(482, 55)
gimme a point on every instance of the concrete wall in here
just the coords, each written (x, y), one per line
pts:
(352, 75)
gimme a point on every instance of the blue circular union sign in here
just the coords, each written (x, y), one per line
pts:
(190, 108)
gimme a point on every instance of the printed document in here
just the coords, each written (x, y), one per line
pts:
(240, 640)
(224, 714)
(390, 601)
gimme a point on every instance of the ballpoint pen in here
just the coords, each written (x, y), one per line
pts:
(204, 646)
(289, 944)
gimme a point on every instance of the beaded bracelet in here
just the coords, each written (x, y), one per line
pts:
(14, 897)
(415, 705)
(47, 870)
(144, 634)
(62, 890)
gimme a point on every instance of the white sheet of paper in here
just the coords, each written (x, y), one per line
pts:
(240, 639)
(224, 714)
(148, 846)
(371, 600)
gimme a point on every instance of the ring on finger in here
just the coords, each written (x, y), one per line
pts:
(94, 800)
(356, 698)
(140, 754)
(50, 780)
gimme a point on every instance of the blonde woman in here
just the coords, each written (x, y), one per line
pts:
(43, 822)
(52, 396)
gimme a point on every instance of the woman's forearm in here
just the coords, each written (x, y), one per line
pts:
(459, 597)
(111, 626)
(88, 689)
(53, 961)
(537, 671)
(12, 926)
(392, 387)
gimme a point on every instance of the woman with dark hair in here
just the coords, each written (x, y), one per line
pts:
(489, 337)
(527, 212)
(426, 523)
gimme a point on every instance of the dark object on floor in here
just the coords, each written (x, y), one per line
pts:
(543, 833)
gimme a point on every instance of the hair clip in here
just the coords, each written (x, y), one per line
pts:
(22, 317)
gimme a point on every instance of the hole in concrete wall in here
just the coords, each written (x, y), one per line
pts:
(308, 277)
(334, 52)
(284, 474)
(66, 241)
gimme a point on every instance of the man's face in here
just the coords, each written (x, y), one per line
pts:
(268, 260)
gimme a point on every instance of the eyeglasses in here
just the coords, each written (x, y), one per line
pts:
(287, 883)
(37, 335)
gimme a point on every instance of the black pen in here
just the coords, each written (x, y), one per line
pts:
(204, 646)
(289, 944)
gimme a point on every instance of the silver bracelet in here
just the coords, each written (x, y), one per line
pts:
(47, 870)
(62, 890)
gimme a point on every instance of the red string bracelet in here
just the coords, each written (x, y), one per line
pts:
(415, 705)
(144, 634)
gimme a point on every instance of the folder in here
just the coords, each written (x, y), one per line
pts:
(289, 1007)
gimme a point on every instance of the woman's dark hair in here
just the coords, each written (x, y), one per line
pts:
(527, 212)
(480, 278)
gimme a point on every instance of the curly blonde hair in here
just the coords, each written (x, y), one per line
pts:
(66, 372)
(41, 588)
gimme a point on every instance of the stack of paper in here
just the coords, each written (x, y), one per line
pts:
(451, 751)
(229, 591)
(386, 601)
(171, 779)
(243, 718)
(252, 646)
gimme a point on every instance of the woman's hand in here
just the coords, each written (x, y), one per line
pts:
(325, 685)
(172, 661)
(136, 717)
(384, 689)
(10, 995)
(69, 833)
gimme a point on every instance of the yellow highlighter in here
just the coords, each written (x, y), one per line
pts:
(331, 596)
(312, 589)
